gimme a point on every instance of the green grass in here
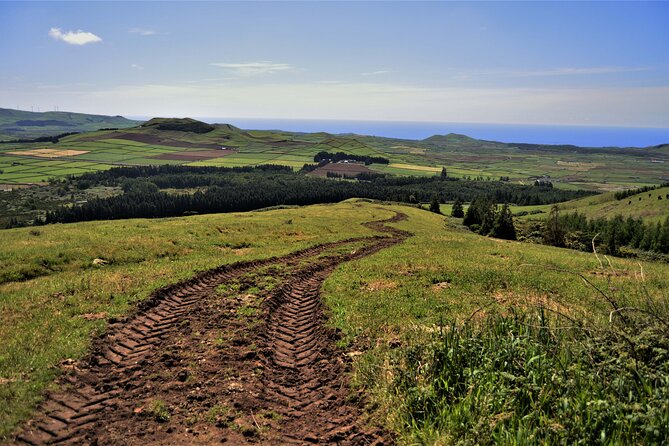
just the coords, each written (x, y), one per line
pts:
(525, 378)
(645, 205)
(445, 275)
(388, 305)
(49, 280)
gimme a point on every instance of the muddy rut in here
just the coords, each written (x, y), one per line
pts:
(239, 354)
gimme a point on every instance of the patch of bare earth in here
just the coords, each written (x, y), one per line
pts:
(237, 355)
(345, 169)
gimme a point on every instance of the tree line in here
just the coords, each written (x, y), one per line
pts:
(341, 156)
(240, 189)
(618, 236)
(621, 195)
(52, 139)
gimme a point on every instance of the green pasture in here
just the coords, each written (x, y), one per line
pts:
(48, 280)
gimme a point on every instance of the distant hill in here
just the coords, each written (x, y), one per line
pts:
(455, 141)
(451, 138)
(183, 125)
(19, 124)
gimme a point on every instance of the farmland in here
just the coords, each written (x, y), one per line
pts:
(228, 146)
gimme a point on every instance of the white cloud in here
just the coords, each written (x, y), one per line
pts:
(254, 68)
(609, 106)
(143, 31)
(78, 37)
(579, 71)
(564, 71)
(136, 66)
(375, 73)
(383, 101)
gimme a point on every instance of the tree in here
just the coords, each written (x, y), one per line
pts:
(489, 213)
(457, 211)
(434, 205)
(478, 208)
(553, 233)
(503, 224)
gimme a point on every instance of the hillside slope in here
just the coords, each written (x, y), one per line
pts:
(19, 124)
(207, 346)
(652, 206)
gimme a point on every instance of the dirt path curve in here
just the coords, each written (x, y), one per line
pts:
(238, 354)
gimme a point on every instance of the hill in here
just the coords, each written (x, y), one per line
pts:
(652, 206)
(19, 124)
(420, 323)
(180, 125)
(451, 138)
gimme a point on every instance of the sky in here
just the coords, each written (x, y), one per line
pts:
(554, 63)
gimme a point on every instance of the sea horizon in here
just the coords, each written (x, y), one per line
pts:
(583, 136)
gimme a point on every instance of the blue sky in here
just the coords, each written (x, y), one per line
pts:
(589, 63)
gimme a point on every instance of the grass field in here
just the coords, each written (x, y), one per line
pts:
(50, 287)
(397, 297)
(646, 205)
(652, 206)
(409, 294)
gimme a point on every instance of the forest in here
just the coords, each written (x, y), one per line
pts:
(617, 236)
(241, 189)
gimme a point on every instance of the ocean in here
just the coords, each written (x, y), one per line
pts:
(539, 134)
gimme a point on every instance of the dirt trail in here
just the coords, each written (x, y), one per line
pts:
(238, 355)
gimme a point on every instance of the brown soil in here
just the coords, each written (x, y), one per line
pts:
(194, 156)
(236, 355)
(346, 169)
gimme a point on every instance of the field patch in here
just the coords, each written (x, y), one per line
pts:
(194, 156)
(49, 153)
(415, 167)
(344, 169)
(579, 166)
(156, 140)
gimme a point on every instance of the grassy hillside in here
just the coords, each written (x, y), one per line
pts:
(385, 305)
(19, 124)
(652, 206)
(55, 298)
(436, 381)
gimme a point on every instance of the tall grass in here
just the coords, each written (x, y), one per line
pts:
(544, 345)
(519, 378)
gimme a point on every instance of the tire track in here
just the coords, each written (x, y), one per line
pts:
(303, 370)
(306, 373)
